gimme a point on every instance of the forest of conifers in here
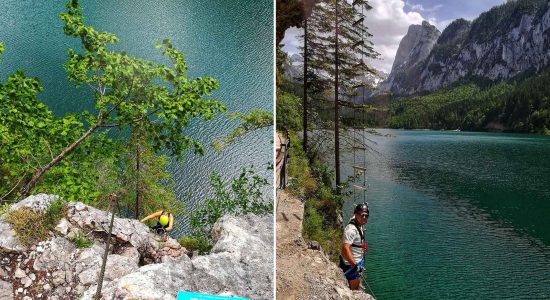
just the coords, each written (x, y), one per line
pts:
(521, 105)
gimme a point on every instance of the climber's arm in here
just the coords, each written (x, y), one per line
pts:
(170, 223)
(155, 215)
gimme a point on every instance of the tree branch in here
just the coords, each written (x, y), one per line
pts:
(14, 187)
(49, 148)
(27, 162)
(122, 99)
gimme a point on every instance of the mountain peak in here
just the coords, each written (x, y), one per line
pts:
(501, 43)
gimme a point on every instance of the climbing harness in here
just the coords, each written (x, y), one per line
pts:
(359, 228)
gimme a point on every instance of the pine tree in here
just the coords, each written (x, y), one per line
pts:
(338, 46)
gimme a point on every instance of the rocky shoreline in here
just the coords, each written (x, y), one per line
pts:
(140, 265)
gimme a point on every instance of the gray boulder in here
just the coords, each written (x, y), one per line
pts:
(129, 231)
(8, 239)
(38, 203)
(6, 290)
(241, 264)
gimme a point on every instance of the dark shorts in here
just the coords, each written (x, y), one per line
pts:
(160, 229)
(350, 275)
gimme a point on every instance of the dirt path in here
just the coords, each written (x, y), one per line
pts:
(304, 273)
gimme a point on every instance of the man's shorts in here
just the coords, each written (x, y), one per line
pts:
(351, 275)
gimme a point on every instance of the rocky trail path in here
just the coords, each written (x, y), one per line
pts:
(303, 270)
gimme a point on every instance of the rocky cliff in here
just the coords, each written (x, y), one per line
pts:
(501, 43)
(413, 50)
(140, 265)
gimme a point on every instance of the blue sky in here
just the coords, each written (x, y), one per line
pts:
(448, 10)
(389, 21)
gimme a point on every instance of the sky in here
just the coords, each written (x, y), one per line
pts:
(389, 21)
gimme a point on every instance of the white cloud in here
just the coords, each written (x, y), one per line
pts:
(420, 7)
(387, 21)
(291, 40)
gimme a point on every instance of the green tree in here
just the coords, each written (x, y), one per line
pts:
(243, 196)
(251, 121)
(30, 136)
(338, 50)
(128, 90)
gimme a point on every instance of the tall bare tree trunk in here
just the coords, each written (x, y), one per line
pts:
(305, 85)
(336, 109)
(138, 183)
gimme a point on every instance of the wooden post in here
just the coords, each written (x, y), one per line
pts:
(113, 198)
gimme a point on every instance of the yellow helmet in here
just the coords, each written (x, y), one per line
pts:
(164, 220)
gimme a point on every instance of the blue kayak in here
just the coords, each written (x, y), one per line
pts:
(182, 295)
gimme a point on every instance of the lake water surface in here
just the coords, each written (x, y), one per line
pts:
(458, 215)
(231, 41)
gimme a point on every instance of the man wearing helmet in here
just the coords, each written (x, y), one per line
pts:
(354, 246)
(164, 222)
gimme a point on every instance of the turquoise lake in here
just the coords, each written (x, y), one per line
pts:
(457, 215)
(231, 41)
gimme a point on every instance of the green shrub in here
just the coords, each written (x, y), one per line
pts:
(28, 226)
(244, 195)
(4, 208)
(54, 213)
(289, 111)
(301, 183)
(313, 224)
(198, 243)
(81, 240)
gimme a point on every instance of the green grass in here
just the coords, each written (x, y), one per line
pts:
(28, 226)
(82, 241)
(54, 213)
(32, 227)
(199, 243)
(4, 208)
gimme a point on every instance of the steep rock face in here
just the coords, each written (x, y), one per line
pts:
(57, 269)
(413, 50)
(139, 265)
(505, 41)
(241, 264)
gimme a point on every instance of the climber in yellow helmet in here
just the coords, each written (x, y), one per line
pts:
(164, 222)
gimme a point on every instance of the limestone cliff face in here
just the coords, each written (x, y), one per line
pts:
(505, 41)
(413, 50)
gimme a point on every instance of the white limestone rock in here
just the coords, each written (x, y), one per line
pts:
(8, 240)
(241, 264)
(38, 203)
(6, 290)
